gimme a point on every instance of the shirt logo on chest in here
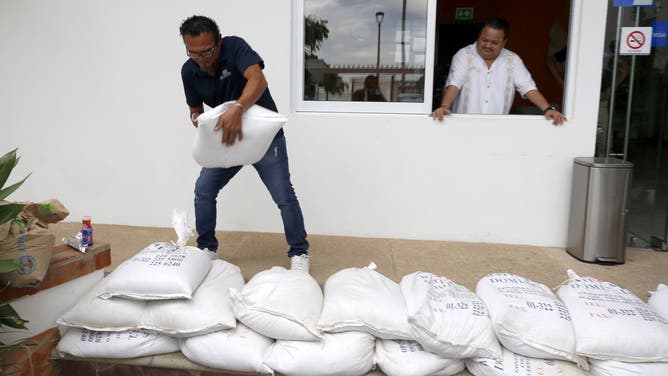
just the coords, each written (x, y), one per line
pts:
(224, 74)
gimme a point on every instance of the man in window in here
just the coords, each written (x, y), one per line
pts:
(226, 69)
(484, 76)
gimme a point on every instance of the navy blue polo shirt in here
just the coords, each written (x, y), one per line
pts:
(228, 82)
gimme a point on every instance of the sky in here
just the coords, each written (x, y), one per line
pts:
(353, 29)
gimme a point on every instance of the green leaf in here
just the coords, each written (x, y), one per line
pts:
(7, 164)
(9, 190)
(9, 317)
(8, 266)
(45, 208)
(9, 212)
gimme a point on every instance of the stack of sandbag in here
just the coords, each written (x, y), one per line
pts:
(285, 305)
(282, 306)
(208, 310)
(359, 305)
(185, 294)
(512, 364)
(165, 291)
(277, 311)
(280, 303)
(448, 319)
(282, 321)
(621, 334)
(528, 318)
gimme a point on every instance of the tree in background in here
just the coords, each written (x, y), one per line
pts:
(315, 32)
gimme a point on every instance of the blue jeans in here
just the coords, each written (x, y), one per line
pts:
(275, 174)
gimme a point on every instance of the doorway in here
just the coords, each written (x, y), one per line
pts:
(447, 45)
(634, 111)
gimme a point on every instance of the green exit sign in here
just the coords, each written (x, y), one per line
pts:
(463, 13)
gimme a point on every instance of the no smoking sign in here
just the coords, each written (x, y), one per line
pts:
(635, 41)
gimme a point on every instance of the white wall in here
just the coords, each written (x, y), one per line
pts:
(91, 94)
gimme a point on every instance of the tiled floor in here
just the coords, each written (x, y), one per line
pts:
(464, 263)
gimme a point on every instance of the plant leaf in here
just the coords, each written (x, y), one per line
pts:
(7, 164)
(9, 190)
(9, 317)
(9, 212)
(8, 266)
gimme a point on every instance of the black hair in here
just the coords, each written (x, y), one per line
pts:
(197, 25)
(498, 24)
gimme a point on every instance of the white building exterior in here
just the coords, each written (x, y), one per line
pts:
(91, 95)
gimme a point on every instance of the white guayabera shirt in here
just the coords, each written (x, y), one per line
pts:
(485, 90)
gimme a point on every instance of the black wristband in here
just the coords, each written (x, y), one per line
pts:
(550, 107)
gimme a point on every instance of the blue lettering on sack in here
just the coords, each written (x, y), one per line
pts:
(21, 243)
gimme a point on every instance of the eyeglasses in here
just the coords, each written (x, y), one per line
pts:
(204, 54)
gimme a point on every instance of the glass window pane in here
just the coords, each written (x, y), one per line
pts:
(353, 51)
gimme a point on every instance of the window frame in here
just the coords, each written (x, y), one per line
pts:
(423, 108)
(301, 105)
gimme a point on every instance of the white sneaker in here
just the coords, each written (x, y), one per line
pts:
(300, 262)
(212, 254)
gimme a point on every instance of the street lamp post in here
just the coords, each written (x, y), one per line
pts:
(379, 20)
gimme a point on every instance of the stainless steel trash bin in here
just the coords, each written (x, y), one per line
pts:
(597, 223)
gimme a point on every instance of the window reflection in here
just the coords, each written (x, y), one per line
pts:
(353, 52)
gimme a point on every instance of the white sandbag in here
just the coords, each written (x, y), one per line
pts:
(518, 365)
(239, 350)
(361, 299)
(85, 343)
(658, 300)
(97, 314)
(528, 318)
(159, 271)
(400, 357)
(280, 304)
(614, 368)
(341, 354)
(448, 319)
(259, 126)
(611, 323)
(209, 310)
